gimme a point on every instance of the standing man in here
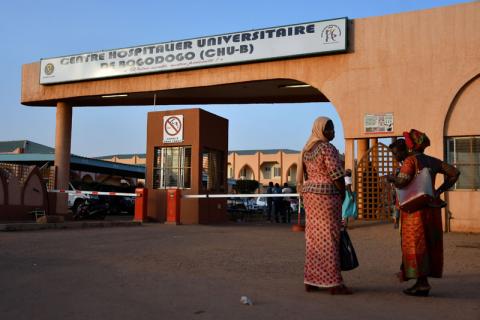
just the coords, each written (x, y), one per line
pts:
(269, 201)
(277, 203)
(287, 210)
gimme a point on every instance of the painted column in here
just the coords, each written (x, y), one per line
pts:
(350, 158)
(257, 169)
(349, 154)
(63, 134)
(282, 169)
(233, 165)
(373, 143)
(362, 148)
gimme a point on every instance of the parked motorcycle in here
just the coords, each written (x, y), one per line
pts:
(91, 209)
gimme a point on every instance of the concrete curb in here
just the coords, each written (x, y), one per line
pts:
(67, 225)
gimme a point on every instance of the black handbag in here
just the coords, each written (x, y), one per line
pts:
(348, 258)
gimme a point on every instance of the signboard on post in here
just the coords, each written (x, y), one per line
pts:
(311, 38)
(173, 129)
(378, 123)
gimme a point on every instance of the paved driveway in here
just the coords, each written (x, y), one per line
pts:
(200, 272)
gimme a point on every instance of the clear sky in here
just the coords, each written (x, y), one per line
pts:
(31, 30)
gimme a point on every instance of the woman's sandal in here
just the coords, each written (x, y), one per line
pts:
(341, 289)
(417, 291)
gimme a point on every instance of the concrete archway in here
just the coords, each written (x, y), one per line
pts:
(383, 71)
(246, 172)
(461, 136)
(291, 177)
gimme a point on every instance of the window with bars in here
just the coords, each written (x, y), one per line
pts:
(277, 172)
(172, 167)
(267, 172)
(212, 171)
(464, 154)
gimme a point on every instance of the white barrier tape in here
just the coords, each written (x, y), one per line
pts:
(95, 193)
(186, 196)
(263, 195)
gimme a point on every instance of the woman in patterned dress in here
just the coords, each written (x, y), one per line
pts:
(421, 231)
(321, 183)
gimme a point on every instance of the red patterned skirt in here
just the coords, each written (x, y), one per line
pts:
(422, 244)
(322, 235)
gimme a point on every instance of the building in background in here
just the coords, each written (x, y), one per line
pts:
(271, 165)
(17, 155)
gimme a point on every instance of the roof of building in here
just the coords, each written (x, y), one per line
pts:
(264, 151)
(122, 156)
(27, 146)
(241, 152)
(77, 163)
(33, 153)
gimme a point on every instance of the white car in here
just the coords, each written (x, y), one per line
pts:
(261, 202)
(75, 199)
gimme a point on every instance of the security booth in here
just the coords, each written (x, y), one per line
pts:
(187, 152)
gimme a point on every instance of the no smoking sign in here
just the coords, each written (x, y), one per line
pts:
(172, 129)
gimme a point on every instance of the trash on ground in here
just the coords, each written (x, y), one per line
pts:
(245, 300)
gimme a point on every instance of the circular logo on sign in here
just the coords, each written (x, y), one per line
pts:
(49, 68)
(330, 33)
(173, 125)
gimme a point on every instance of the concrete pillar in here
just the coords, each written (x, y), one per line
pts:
(234, 155)
(362, 148)
(350, 158)
(373, 143)
(282, 169)
(63, 134)
(257, 169)
(349, 154)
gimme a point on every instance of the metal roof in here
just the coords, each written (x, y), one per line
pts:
(27, 146)
(122, 156)
(77, 163)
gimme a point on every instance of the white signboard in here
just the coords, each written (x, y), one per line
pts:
(262, 44)
(172, 129)
(378, 123)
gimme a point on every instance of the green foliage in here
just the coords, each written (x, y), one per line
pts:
(246, 186)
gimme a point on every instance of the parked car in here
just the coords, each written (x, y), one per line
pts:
(261, 202)
(76, 199)
(251, 204)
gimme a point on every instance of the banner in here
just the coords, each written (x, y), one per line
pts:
(378, 123)
(256, 45)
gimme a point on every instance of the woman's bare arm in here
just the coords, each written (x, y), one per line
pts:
(451, 176)
(340, 184)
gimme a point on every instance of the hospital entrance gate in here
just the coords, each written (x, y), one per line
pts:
(375, 196)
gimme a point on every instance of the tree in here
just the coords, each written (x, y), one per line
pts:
(246, 186)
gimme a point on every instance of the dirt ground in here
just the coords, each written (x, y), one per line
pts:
(200, 272)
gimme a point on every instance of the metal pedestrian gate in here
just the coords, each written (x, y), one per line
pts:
(375, 196)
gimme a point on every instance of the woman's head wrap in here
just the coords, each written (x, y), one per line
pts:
(416, 140)
(316, 136)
